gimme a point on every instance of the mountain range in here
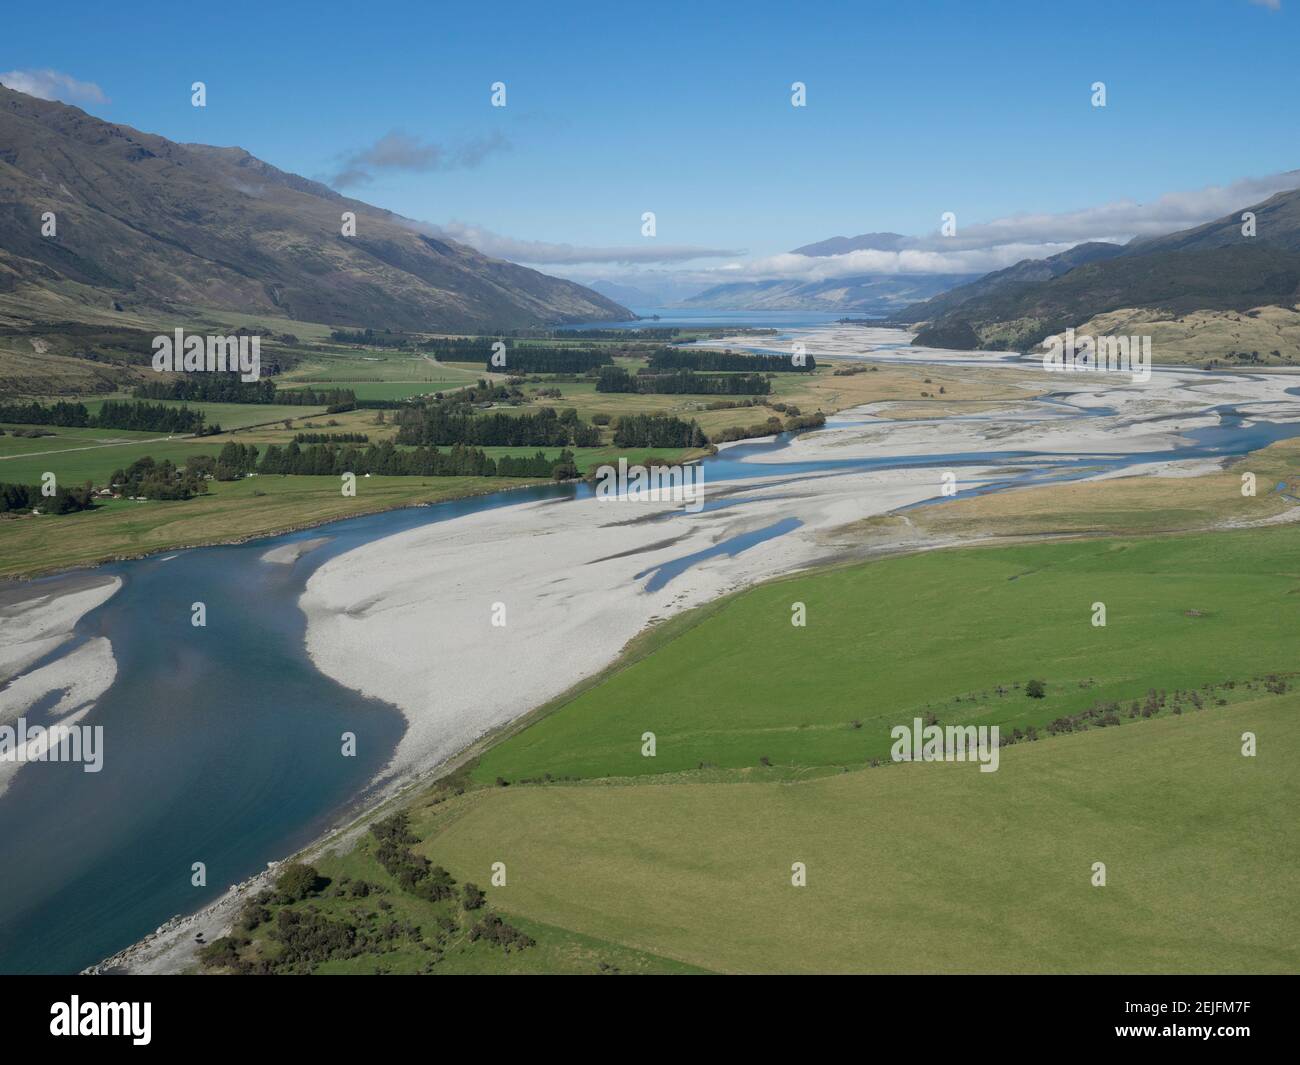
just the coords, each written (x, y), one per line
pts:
(862, 242)
(1216, 291)
(159, 229)
(155, 231)
(879, 294)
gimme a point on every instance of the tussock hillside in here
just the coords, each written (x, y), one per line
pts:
(1215, 293)
(149, 225)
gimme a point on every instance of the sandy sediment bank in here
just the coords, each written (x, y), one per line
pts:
(410, 618)
(37, 620)
(287, 554)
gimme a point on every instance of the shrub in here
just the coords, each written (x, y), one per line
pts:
(497, 931)
(297, 882)
(221, 953)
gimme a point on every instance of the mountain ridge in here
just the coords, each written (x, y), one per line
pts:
(1202, 290)
(148, 223)
(844, 245)
(862, 293)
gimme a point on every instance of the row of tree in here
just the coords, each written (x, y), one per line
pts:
(445, 424)
(147, 479)
(530, 358)
(332, 438)
(374, 338)
(657, 430)
(704, 359)
(657, 332)
(459, 349)
(113, 414)
(28, 497)
(228, 388)
(682, 382)
(233, 459)
(149, 417)
(386, 460)
(414, 872)
(770, 427)
(62, 413)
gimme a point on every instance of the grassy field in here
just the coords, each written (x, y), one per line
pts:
(37, 545)
(921, 867)
(1266, 336)
(377, 374)
(926, 867)
(221, 320)
(66, 347)
(1138, 504)
(257, 506)
(25, 371)
(444, 926)
(232, 415)
(936, 632)
(424, 936)
(77, 455)
(820, 390)
(65, 439)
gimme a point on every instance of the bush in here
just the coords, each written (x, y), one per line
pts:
(413, 872)
(221, 953)
(297, 882)
(505, 935)
(1036, 689)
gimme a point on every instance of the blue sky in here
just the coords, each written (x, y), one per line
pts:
(683, 109)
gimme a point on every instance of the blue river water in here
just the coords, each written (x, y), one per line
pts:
(222, 743)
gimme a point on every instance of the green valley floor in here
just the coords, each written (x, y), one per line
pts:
(772, 748)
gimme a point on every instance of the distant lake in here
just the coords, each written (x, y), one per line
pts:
(679, 318)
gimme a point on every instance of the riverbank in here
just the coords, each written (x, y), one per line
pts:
(409, 617)
(174, 948)
(234, 512)
(467, 627)
(255, 507)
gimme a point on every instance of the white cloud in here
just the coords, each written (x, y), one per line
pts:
(1121, 220)
(909, 261)
(977, 248)
(547, 253)
(984, 246)
(53, 85)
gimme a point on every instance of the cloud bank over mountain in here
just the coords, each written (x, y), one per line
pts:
(974, 248)
(53, 85)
